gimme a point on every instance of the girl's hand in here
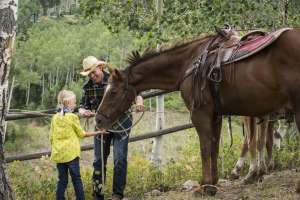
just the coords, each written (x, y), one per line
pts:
(101, 131)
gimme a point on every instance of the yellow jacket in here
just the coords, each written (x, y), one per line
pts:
(65, 133)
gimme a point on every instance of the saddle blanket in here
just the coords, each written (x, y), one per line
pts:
(250, 46)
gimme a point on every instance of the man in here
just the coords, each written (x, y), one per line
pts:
(93, 92)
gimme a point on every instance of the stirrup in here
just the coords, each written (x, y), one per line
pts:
(215, 74)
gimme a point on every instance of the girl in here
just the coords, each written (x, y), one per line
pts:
(65, 147)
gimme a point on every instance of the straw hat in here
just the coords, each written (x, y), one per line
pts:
(90, 63)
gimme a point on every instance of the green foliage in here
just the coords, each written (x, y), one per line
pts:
(24, 135)
(38, 179)
(51, 57)
(288, 156)
(49, 52)
(183, 18)
(28, 12)
(174, 102)
(38, 184)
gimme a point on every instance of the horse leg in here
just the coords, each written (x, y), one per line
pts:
(235, 173)
(297, 120)
(261, 143)
(203, 122)
(269, 145)
(215, 148)
(252, 139)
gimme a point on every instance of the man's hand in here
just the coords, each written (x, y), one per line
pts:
(139, 101)
(86, 113)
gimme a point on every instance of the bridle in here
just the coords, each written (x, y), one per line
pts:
(128, 88)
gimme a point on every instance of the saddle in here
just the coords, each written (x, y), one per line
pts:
(226, 47)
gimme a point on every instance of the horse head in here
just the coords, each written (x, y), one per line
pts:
(118, 97)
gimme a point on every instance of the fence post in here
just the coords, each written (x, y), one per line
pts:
(160, 120)
(155, 157)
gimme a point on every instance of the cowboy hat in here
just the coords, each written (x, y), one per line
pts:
(90, 63)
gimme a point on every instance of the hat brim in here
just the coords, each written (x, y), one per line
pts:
(87, 72)
(99, 63)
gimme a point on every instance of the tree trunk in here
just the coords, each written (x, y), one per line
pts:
(43, 88)
(49, 80)
(73, 74)
(56, 77)
(155, 156)
(285, 12)
(28, 93)
(28, 88)
(8, 17)
(8, 103)
(67, 78)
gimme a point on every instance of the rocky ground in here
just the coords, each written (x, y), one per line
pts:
(277, 185)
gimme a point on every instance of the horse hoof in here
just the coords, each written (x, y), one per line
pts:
(298, 187)
(271, 166)
(251, 177)
(205, 190)
(261, 172)
(210, 190)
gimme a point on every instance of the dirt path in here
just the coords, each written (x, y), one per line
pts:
(278, 185)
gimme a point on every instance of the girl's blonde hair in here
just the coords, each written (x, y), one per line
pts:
(63, 97)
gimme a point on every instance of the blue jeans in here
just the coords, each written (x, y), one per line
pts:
(120, 150)
(74, 169)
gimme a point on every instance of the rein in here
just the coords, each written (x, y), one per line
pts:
(127, 129)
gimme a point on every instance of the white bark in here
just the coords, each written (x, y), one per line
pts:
(160, 121)
(43, 88)
(28, 93)
(50, 80)
(67, 77)
(56, 78)
(8, 103)
(160, 118)
(8, 17)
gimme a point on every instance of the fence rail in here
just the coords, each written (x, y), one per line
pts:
(18, 114)
(91, 146)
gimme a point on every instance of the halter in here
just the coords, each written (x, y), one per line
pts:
(127, 88)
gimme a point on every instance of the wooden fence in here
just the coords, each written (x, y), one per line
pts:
(16, 115)
(90, 146)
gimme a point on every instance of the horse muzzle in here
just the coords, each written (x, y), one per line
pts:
(102, 121)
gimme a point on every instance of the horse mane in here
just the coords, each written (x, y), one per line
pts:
(136, 58)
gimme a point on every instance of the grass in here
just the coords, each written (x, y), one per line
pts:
(180, 159)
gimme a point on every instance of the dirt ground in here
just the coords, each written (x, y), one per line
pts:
(277, 185)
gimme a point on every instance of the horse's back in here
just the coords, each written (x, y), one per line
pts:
(265, 81)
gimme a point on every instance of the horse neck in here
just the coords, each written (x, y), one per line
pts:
(163, 71)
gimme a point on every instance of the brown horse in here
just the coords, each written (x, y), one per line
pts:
(254, 86)
(258, 136)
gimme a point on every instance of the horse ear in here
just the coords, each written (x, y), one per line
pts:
(110, 68)
(117, 75)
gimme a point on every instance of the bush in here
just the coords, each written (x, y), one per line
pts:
(21, 137)
(38, 179)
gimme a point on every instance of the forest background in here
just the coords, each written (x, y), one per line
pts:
(53, 37)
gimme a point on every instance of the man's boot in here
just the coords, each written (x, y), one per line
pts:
(115, 197)
(98, 197)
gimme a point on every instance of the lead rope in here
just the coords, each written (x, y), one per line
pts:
(102, 162)
(101, 147)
